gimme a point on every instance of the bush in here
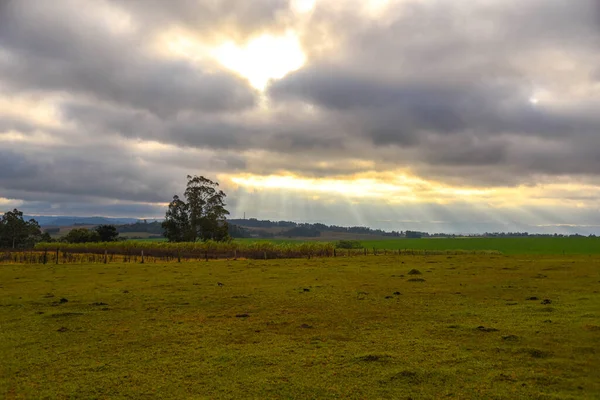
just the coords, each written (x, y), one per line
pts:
(81, 235)
(348, 244)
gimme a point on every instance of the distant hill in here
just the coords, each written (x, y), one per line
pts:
(289, 229)
(72, 221)
(239, 228)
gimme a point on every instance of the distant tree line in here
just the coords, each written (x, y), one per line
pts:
(17, 233)
(302, 231)
(308, 229)
(142, 226)
(311, 228)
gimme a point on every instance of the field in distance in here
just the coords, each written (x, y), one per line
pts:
(476, 327)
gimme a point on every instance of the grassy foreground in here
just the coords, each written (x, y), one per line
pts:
(322, 328)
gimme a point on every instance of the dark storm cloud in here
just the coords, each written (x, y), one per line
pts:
(61, 47)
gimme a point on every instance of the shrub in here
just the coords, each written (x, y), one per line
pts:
(348, 244)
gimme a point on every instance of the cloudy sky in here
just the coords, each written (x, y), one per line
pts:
(444, 115)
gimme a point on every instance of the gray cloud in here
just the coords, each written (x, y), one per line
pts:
(86, 175)
(232, 18)
(442, 88)
(459, 95)
(14, 166)
(445, 107)
(9, 123)
(62, 47)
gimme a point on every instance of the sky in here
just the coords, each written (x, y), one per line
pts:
(437, 115)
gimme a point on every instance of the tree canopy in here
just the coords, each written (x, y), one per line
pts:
(81, 235)
(15, 232)
(107, 233)
(201, 216)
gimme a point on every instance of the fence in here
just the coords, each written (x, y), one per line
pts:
(96, 254)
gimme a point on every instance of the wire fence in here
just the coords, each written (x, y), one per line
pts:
(81, 254)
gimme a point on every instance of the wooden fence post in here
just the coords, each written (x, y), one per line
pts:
(105, 256)
(57, 255)
(142, 256)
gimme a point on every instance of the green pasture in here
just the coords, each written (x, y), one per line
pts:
(462, 327)
(520, 245)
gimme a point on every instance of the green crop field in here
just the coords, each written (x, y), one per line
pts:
(520, 245)
(148, 240)
(464, 327)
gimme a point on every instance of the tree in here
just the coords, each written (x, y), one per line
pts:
(81, 235)
(177, 222)
(15, 232)
(202, 216)
(107, 233)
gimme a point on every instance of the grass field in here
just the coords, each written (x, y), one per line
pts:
(468, 327)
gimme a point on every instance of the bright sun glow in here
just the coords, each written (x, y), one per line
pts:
(399, 188)
(263, 58)
(303, 6)
(542, 95)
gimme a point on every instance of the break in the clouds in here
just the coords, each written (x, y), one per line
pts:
(306, 109)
